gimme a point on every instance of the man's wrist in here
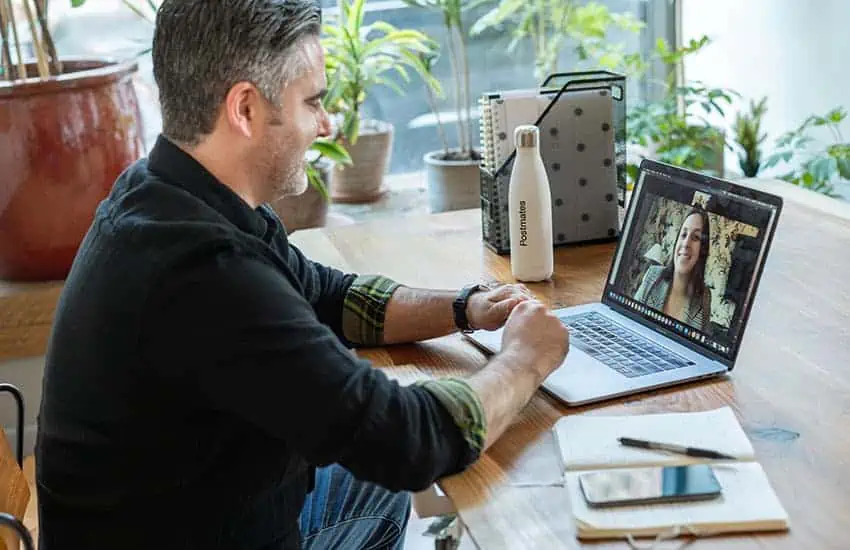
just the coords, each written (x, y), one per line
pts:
(460, 307)
(525, 359)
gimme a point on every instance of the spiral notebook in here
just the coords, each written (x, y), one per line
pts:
(582, 132)
(748, 502)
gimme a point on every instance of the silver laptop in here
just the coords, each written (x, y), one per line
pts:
(678, 294)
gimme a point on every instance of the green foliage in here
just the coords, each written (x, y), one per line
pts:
(452, 13)
(324, 148)
(677, 127)
(360, 56)
(749, 137)
(552, 24)
(817, 169)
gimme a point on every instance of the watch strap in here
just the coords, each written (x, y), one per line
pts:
(459, 306)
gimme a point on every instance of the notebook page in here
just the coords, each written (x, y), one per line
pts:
(748, 503)
(590, 442)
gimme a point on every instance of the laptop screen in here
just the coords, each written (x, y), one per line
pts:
(691, 256)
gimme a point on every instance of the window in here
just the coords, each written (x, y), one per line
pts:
(491, 69)
(112, 29)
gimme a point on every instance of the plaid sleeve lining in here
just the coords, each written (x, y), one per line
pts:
(365, 307)
(464, 406)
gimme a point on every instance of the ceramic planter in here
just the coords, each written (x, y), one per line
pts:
(63, 142)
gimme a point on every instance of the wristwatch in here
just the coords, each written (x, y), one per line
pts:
(459, 306)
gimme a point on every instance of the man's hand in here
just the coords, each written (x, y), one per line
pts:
(537, 337)
(489, 309)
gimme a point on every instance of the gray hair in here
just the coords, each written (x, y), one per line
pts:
(201, 49)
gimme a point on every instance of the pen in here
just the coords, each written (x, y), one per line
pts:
(678, 449)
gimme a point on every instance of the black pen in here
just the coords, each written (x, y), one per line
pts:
(678, 449)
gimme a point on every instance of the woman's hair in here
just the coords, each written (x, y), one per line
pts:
(696, 282)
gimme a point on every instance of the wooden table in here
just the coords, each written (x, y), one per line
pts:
(790, 388)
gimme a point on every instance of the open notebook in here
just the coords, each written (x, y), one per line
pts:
(748, 502)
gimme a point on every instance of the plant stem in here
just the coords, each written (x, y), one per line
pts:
(10, 14)
(41, 56)
(41, 13)
(467, 147)
(432, 102)
(835, 132)
(541, 32)
(454, 64)
(8, 66)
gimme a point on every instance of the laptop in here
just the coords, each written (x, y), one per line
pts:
(677, 296)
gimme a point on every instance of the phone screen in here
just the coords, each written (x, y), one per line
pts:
(648, 485)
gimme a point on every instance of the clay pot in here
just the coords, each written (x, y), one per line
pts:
(454, 183)
(363, 180)
(63, 142)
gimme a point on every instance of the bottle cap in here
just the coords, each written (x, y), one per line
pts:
(526, 135)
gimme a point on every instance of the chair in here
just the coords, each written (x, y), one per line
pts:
(14, 488)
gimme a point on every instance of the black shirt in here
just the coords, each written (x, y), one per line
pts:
(197, 373)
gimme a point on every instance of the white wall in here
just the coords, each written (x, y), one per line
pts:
(796, 52)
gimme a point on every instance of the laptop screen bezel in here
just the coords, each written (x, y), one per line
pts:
(721, 186)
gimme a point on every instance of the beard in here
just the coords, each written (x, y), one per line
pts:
(284, 172)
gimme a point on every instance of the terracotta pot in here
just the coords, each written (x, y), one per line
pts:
(63, 141)
(310, 208)
(363, 180)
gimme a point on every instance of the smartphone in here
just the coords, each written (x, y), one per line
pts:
(625, 486)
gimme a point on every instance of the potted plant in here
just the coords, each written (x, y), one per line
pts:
(676, 129)
(452, 174)
(359, 57)
(816, 168)
(749, 137)
(69, 127)
(310, 208)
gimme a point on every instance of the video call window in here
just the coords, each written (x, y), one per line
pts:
(692, 255)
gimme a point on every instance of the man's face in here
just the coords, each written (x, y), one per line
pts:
(291, 129)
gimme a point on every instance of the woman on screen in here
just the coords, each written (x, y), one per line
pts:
(678, 289)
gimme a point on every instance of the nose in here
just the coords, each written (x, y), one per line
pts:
(324, 124)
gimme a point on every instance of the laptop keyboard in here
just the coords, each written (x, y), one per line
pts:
(619, 348)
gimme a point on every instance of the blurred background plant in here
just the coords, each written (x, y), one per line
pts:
(682, 127)
(319, 150)
(819, 168)
(452, 13)
(749, 137)
(553, 25)
(360, 56)
(146, 9)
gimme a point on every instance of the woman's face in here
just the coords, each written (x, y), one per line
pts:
(688, 244)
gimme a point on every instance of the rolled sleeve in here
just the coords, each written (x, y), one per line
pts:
(365, 308)
(464, 406)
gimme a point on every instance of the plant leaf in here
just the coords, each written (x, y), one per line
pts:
(332, 150)
(315, 180)
(495, 17)
(823, 168)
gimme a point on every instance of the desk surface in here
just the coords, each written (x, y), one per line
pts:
(790, 388)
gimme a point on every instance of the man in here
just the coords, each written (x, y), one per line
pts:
(199, 390)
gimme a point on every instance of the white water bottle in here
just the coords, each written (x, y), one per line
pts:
(530, 210)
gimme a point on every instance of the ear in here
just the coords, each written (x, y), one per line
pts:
(243, 108)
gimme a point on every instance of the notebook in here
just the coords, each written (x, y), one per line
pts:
(582, 129)
(748, 502)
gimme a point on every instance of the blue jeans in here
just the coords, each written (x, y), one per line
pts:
(343, 512)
